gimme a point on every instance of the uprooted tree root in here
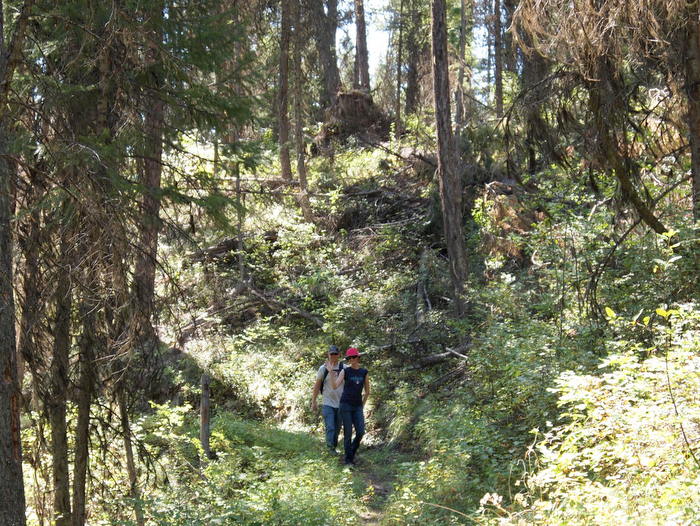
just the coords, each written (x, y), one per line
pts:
(354, 113)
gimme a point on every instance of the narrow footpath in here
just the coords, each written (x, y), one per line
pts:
(375, 477)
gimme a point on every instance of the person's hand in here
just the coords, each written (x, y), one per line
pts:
(314, 406)
(329, 366)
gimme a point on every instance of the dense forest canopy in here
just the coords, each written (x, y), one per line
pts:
(499, 208)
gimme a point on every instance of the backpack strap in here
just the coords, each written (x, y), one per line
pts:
(323, 381)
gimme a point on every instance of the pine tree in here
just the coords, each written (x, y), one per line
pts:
(448, 176)
(11, 483)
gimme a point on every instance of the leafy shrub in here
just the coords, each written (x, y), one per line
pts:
(626, 452)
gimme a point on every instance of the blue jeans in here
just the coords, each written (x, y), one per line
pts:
(331, 417)
(352, 415)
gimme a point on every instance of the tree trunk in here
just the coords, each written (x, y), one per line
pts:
(361, 53)
(85, 390)
(204, 416)
(498, 57)
(134, 491)
(85, 387)
(56, 405)
(303, 197)
(12, 504)
(326, 25)
(282, 92)
(414, 55)
(692, 83)
(534, 71)
(11, 483)
(461, 57)
(32, 306)
(510, 50)
(448, 178)
(154, 122)
(240, 216)
(399, 66)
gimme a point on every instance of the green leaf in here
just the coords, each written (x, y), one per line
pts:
(610, 313)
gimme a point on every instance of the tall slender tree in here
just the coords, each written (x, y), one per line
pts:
(534, 71)
(399, 68)
(56, 402)
(326, 25)
(361, 52)
(510, 49)
(85, 389)
(134, 490)
(450, 184)
(466, 8)
(414, 35)
(498, 57)
(11, 484)
(151, 171)
(692, 85)
(298, 40)
(12, 503)
(204, 414)
(283, 91)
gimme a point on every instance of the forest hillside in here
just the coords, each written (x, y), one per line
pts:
(199, 199)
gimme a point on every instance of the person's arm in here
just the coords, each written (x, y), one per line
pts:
(367, 389)
(314, 394)
(337, 379)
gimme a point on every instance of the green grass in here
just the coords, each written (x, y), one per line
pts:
(264, 475)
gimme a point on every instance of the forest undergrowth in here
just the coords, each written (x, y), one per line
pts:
(567, 395)
(197, 198)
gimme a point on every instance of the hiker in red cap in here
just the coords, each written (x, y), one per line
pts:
(354, 380)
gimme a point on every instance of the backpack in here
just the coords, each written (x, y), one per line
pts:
(341, 366)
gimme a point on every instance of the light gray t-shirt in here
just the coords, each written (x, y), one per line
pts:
(331, 396)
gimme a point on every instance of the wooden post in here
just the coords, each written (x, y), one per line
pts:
(204, 416)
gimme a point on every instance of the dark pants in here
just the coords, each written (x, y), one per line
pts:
(352, 415)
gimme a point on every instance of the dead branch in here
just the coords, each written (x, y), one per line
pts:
(268, 300)
(441, 357)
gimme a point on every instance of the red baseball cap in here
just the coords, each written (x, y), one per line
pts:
(352, 352)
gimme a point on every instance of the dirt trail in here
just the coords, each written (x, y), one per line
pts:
(376, 497)
(376, 473)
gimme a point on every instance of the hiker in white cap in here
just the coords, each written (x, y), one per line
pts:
(331, 398)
